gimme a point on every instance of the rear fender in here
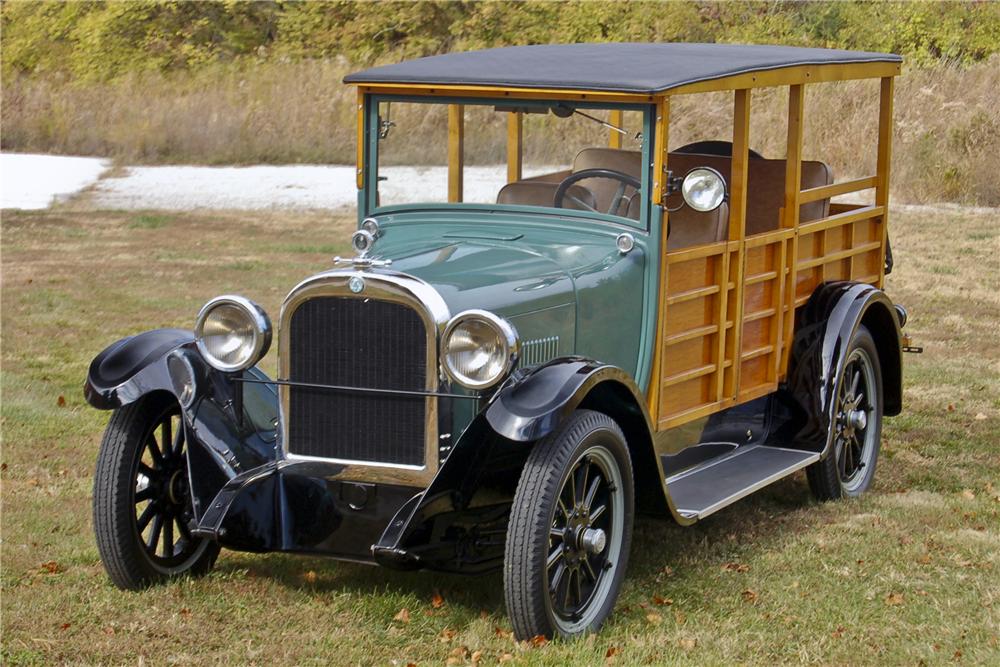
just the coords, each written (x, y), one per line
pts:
(230, 426)
(823, 335)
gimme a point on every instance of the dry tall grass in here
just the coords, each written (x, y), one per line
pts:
(947, 144)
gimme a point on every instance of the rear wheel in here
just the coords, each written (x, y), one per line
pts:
(570, 530)
(849, 468)
(142, 503)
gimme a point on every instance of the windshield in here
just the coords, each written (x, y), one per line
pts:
(560, 155)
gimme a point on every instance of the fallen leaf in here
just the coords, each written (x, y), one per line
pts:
(61, 401)
(51, 567)
(476, 657)
(968, 494)
(411, 664)
(654, 618)
(925, 559)
(951, 407)
(612, 652)
(839, 632)
(736, 567)
(538, 641)
(310, 577)
(3, 466)
(437, 601)
(680, 618)
(447, 635)
(506, 657)
(460, 652)
(980, 416)
(109, 630)
(501, 633)
(749, 595)
(403, 616)
(185, 612)
(687, 643)
(64, 626)
(669, 571)
(894, 599)
(657, 600)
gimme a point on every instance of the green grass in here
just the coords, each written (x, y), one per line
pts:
(905, 575)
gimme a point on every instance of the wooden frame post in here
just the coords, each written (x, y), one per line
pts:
(882, 164)
(360, 167)
(456, 152)
(515, 139)
(730, 341)
(616, 118)
(660, 148)
(790, 211)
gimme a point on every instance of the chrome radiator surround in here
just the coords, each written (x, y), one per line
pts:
(380, 285)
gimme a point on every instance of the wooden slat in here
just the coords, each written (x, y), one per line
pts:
(720, 343)
(688, 334)
(883, 160)
(767, 238)
(759, 314)
(688, 295)
(456, 151)
(616, 118)
(515, 137)
(758, 352)
(740, 165)
(684, 376)
(840, 219)
(760, 277)
(698, 252)
(834, 256)
(827, 191)
(789, 216)
(448, 90)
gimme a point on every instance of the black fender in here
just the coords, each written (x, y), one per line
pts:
(823, 333)
(231, 426)
(483, 468)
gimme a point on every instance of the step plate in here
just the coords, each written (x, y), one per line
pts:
(721, 482)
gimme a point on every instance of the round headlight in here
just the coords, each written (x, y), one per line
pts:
(704, 189)
(478, 349)
(232, 333)
(362, 241)
(371, 226)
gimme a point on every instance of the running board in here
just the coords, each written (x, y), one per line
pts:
(720, 482)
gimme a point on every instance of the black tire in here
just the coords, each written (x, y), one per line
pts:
(589, 449)
(126, 462)
(849, 467)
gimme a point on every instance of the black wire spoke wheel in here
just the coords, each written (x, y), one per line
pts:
(856, 429)
(589, 511)
(854, 445)
(142, 500)
(570, 530)
(161, 497)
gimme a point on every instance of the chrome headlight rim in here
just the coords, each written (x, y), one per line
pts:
(698, 171)
(506, 334)
(261, 325)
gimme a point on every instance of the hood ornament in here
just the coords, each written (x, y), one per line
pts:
(362, 241)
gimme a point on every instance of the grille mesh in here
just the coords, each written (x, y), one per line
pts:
(358, 343)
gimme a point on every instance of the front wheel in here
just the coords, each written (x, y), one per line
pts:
(849, 468)
(142, 504)
(570, 530)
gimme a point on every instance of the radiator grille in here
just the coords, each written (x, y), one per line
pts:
(358, 343)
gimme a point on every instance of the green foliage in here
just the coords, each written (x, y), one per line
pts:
(104, 40)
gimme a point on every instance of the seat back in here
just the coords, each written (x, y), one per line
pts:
(604, 189)
(542, 193)
(765, 187)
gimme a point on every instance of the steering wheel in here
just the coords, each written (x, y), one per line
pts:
(617, 201)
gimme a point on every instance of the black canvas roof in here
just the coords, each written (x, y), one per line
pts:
(623, 68)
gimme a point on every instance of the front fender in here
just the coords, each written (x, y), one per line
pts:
(230, 426)
(531, 405)
(822, 340)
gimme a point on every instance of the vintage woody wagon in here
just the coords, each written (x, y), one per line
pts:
(505, 373)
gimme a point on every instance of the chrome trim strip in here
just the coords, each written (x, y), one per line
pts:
(384, 285)
(364, 390)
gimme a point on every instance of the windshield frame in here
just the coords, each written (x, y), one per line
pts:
(367, 195)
